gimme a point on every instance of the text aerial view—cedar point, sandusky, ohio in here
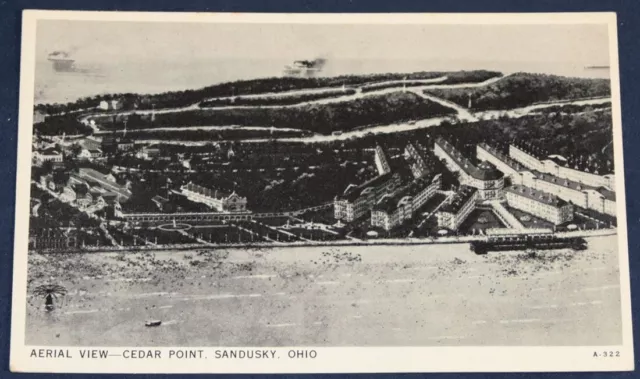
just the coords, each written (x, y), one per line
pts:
(323, 184)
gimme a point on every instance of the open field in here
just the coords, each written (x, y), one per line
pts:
(358, 296)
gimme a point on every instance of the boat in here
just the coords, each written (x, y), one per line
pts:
(61, 61)
(153, 323)
(524, 243)
(304, 68)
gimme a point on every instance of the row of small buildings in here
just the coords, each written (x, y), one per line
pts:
(87, 187)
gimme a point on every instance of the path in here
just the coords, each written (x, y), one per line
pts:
(380, 129)
(505, 216)
(462, 113)
(358, 95)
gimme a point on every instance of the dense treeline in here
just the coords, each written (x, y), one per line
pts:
(475, 76)
(210, 135)
(57, 125)
(524, 89)
(317, 118)
(276, 100)
(381, 86)
(452, 78)
(128, 100)
(551, 133)
(573, 108)
(176, 99)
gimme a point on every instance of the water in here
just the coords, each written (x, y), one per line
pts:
(308, 296)
(157, 76)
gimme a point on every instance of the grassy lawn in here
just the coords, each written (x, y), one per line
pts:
(314, 234)
(529, 220)
(480, 219)
(322, 216)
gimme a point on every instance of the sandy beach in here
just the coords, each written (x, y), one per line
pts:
(318, 296)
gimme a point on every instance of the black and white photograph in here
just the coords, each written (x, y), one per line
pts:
(212, 192)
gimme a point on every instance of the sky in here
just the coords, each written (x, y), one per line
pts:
(139, 41)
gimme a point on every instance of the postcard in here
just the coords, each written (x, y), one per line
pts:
(299, 193)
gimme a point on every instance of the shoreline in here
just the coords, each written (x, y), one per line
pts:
(362, 296)
(302, 244)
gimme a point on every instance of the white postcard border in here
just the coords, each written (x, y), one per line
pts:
(328, 359)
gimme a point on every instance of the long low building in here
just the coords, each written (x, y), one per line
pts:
(488, 180)
(106, 182)
(549, 166)
(453, 214)
(394, 209)
(358, 200)
(540, 204)
(507, 165)
(183, 217)
(218, 200)
(418, 162)
(598, 199)
(381, 161)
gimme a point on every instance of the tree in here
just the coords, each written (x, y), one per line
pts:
(50, 293)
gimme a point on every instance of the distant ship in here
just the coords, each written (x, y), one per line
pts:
(597, 67)
(61, 61)
(304, 68)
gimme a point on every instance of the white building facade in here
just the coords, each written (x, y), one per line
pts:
(540, 204)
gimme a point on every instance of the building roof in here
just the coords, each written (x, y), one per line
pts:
(49, 151)
(109, 195)
(81, 189)
(503, 157)
(159, 199)
(532, 151)
(390, 202)
(459, 199)
(96, 177)
(576, 186)
(607, 193)
(352, 193)
(483, 171)
(212, 193)
(555, 158)
(109, 139)
(536, 195)
(418, 159)
(487, 171)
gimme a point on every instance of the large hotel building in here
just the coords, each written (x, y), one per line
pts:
(509, 166)
(485, 177)
(540, 204)
(357, 200)
(218, 200)
(395, 208)
(549, 166)
(460, 206)
(598, 199)
(524, 169)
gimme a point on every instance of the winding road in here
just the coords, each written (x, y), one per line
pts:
(461, 113)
